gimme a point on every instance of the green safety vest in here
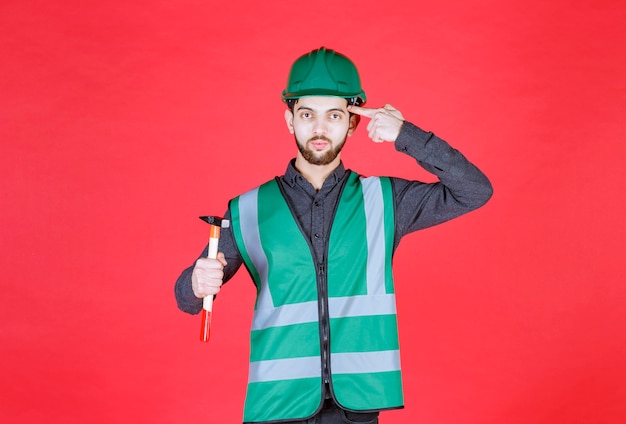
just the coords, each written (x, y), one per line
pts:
(285, 377)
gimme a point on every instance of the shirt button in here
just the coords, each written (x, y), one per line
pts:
(317, 235)
(317, 203)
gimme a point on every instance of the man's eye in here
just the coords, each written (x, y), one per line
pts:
(335, 116)
(306, 115)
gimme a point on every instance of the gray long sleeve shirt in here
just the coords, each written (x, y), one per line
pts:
(461, 188)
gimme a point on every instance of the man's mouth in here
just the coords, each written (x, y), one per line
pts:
(319, 143)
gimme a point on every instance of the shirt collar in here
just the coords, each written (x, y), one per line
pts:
(292, 174)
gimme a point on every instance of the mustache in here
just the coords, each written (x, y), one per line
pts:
(320, 137)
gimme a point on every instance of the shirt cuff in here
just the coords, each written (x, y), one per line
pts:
(412, 140)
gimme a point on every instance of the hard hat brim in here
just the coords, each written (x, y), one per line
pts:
(322, 92)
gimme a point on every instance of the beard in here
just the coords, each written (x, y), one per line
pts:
(325, 158)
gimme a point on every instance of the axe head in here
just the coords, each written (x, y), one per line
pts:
(216, 220)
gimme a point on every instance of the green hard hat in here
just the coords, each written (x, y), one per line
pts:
(324, 72)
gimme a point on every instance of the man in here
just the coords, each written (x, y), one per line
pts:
(318, 242)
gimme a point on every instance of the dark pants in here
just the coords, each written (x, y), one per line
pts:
(332, 414)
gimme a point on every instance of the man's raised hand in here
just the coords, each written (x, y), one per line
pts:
(385, 122)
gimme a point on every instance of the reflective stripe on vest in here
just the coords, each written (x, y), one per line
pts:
(285, 377)
(343, 363)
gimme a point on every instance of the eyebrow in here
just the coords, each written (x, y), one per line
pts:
(335, 109)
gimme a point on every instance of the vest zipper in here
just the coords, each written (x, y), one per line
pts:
(324, 322)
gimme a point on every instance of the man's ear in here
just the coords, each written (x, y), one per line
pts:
(289, 120)
(354, 122)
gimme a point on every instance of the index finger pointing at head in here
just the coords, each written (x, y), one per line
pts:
(363, 111)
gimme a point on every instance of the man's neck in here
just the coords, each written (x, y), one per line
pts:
(316, 174)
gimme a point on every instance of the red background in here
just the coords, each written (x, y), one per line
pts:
(122, 121)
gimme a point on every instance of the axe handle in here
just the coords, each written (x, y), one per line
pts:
(207, 302)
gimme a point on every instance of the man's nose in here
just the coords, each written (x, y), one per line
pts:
(319, 127)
